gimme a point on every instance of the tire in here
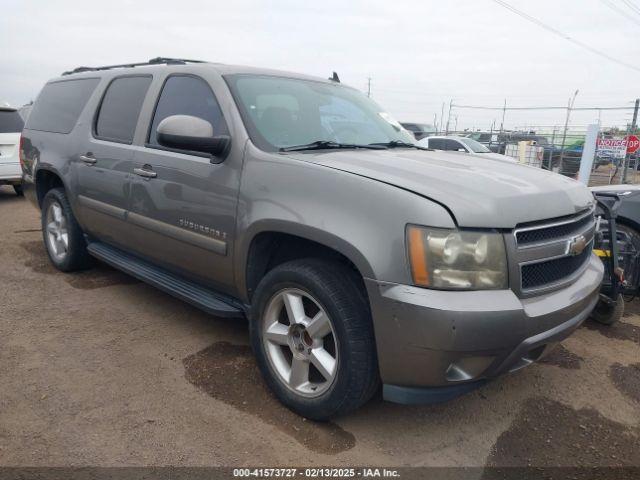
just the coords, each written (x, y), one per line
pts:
(608, 314)
(18, 190)
(327, 287)
(71, 255)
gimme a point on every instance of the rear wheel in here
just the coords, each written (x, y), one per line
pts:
(63, 238)
(313, 338)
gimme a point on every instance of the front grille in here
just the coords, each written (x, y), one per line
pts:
(537, 275)
(539, 235)
(543, 250)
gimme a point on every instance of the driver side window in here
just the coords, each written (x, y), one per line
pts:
(187, 95)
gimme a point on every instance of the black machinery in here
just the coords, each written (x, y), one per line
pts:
(621, 260)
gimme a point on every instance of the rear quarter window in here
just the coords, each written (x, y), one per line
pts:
(59, 105)
(10, 121)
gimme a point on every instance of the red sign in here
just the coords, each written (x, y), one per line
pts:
(617, 147)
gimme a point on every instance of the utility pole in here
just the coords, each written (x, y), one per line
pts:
(572, 100)
(435, 122)
(448, 118)
(368, 86)
(631, 131)
(504, 111)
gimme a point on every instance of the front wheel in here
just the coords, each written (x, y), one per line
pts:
(608, 312)
(313, 338)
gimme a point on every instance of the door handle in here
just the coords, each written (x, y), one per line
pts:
(89, 160)
(143, 172)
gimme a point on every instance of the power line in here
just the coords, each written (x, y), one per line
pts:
(564, 35)
(478, 107)
(617, 9)
(632, 6)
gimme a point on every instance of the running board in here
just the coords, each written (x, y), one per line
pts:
(202, 298)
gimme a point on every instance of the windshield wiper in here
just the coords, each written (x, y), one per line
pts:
(327, 144)
(399, 144)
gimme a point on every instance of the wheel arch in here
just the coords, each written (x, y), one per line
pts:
(46, 179)
(270, 244)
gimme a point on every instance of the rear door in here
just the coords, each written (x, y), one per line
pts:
(183, 203)
(105, 160)
(11, 125)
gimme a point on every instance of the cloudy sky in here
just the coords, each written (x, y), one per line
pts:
(419, 54)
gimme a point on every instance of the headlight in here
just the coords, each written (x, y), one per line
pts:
(457, 259)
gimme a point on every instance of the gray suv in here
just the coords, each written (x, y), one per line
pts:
(359, 258)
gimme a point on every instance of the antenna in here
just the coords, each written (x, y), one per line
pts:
(334, 78)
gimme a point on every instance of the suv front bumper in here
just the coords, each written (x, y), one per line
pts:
(433, 345)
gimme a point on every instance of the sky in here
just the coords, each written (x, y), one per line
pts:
(419, 54)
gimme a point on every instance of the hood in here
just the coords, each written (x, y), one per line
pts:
(496, 156)
(488, 194)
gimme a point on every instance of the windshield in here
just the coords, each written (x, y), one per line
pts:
(475, 147)
(285, 112)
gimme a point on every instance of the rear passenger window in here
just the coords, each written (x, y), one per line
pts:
(59, 105)
(120, 108)
(187, 95)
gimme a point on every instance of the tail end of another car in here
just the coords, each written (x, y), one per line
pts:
(11, 125)
(28, 165)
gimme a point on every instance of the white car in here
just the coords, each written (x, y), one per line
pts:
(462, 144)
(10, 129)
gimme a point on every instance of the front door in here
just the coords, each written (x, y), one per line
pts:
(183, 203)
(105, 161)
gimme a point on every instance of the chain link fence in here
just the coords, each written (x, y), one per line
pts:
(559, 147)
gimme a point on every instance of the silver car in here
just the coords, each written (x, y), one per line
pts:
(359, 258)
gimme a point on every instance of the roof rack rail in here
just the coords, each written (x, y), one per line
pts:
(153, 61)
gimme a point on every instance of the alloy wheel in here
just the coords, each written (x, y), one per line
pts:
(56, 231)
(300, 342)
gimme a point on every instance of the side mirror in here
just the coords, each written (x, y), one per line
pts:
(186, 132)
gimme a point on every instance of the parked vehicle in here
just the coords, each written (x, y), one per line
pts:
(24, 111)
(619, 256)
(627, 219)
(360, 263)
(497, 142)
(464, 145)
(10, 127)
(420, 130)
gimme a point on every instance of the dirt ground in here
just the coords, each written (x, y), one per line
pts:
(99, 369)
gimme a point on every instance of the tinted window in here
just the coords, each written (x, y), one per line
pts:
(120, 108)
(10, 121)
(436, 143)
(452, 145)
(183, 95)
(59, 105)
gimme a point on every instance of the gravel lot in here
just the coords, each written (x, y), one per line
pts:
(99, 369)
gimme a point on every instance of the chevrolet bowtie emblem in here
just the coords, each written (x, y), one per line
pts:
(576, 245)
